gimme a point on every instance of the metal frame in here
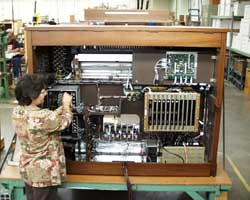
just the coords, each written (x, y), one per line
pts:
(16, 188)
(4, 82)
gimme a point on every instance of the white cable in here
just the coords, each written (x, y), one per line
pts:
(148, 88)
(175, 79)
(185, 79)
(185, 151)
(159, 66)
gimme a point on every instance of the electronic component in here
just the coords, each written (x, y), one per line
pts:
(169, 111)
(152, 150)
(107, 151)
(105, 109)
(105, 67)
(54, 100)
(182, 154)
(124, 128)
(72, 135)
(181, 66)
(55, 94)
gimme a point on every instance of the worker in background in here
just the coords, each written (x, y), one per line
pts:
(42, 160)
(16, 60)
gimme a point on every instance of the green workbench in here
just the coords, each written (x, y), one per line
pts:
(214, 186)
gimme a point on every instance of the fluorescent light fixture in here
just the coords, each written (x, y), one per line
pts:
(125, 13)
(105, 57)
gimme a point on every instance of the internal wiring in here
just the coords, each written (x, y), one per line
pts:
(159, 65)
(175, 154)
(149, 158)
(147, 89)
(172, 153)
(185, 151)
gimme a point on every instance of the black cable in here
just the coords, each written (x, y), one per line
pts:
(147, 4)
(129, 185)
(142, 2)
(175, 154)
(11, 148)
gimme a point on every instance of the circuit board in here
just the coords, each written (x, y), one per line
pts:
(181, 66)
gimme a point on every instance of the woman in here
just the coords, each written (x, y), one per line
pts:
(42, 160)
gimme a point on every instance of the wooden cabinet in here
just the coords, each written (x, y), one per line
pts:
(184, 38)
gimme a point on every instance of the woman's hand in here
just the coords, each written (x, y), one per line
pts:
(59, 110)
(67, 102)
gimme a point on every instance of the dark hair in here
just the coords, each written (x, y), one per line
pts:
(29, 87)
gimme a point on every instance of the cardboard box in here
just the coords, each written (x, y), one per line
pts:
(181, 18)
(223, 2)
(247, 12)
(247, 82)
(229, 38)
(187, 19)
(244, 43)
(228, 2)
(1, 144)
(245, 27)
(72, 19)
(225, 23)
(248, 46)
(248, 63)
(221, 10)
(239, 64)
(228, 10)
(239, 8)
(236, 42)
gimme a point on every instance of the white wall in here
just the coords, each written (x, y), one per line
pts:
(61, 9)
(58, 9)
(182, 7)
(19, 7)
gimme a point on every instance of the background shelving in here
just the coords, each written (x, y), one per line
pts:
(235, 15)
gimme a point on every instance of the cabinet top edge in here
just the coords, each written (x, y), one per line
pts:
(77, 27)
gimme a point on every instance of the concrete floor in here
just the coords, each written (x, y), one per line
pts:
(237, 122)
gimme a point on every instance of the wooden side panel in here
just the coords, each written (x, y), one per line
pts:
(220, 84)
(220, 69)
(138, 169)
(28, 52)
(127, 38)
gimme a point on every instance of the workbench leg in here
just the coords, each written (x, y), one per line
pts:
(211, 195)
(17, 193)
(195, 195)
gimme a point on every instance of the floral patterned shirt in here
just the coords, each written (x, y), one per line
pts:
(42, 160)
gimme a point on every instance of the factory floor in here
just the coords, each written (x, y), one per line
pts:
(237, 109)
